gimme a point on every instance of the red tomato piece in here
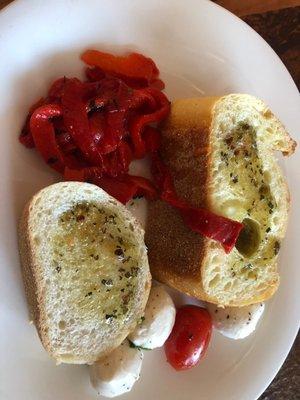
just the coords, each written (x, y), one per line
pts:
(189, 338)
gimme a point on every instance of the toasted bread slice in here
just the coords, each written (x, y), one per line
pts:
(220, 152)
(85, 270)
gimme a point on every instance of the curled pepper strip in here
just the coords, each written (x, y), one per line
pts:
(134, 65)
(43, 135)
(122, 188)
(26, 136)
(138, 124)
(126, 187)
(77, 123)
(216, 227)
(95, 74)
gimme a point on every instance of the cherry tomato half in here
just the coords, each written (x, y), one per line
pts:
(189, 338)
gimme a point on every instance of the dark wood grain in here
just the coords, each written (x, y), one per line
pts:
(248, 7)
(281, 29)
(3, 3)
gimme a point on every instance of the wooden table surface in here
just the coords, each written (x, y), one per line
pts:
(278, 22)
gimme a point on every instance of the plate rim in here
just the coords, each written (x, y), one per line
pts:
(12, 7)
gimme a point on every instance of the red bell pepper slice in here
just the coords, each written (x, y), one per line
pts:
(76, 121)
(216, 227)
(143, 187)
(157, 84)
(44, 135)
(126, 187)
(26, 137)
(139, 122)
(200, 220)
(143, 102)
(134, 65)
(96, 74)
(123, 188)
(125, 156)
(74, 174)
(86, 174)
(97, 127)
(152, 139)
(56, 90)
(114, 131)
(65, 142)
(119, 188)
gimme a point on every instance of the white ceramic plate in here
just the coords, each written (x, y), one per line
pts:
(201, 49)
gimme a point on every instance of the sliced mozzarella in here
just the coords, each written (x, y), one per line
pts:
(158, 321)
(116, 373)
(236, 322)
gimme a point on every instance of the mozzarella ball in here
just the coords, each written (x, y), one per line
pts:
(158, 321)
(116, 373)
(236, 322)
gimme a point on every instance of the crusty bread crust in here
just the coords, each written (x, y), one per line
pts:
(36, 285)
(177, 256)
(29, 269)
(174, 251)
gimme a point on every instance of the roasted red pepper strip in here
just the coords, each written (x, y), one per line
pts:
(26, 137)
(115, 99)
(44, 135)
(56, 90)
(123, 188)
(138, 123)
(126, 187)
(119, 188)
(125, 156)
(152, 139)
(76, 121)
(200, 220)
(74, 174)
(134, 65)
(65, 142)
(96, 74)
(144, 187)
(45, 140)
(224, 230)
(143, 102)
